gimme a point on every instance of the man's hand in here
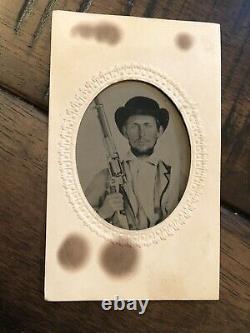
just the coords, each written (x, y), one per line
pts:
(112, 203)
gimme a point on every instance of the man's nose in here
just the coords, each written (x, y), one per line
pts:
(141, 131)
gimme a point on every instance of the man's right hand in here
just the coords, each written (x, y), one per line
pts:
(113, 202)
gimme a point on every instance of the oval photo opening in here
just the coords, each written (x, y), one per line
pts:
(133, 155)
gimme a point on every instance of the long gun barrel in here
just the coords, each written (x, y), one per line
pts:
(118, 177)
(105, 127)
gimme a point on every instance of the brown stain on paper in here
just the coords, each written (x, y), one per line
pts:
(184, 41)
(73, 252)
(102, 32)
(119, 259)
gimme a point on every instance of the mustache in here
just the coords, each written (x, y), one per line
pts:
(142, 140)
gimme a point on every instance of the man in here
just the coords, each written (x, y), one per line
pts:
(149, 194)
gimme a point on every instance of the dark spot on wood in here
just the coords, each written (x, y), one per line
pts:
(25, 10)
(184, 41)
(73, 252)
(128, 7)
(85, 5)
(44, 18)
(119, 259)
(102, 32)
(149, 10)
(46, 93)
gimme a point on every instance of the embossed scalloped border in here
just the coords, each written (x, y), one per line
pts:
(67, 159)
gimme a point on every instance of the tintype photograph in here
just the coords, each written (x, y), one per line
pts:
(133, 155)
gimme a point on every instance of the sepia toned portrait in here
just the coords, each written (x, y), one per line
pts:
(133, 155)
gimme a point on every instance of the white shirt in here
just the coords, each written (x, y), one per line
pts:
(143, 174)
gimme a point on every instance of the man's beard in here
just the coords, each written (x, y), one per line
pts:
(139, 153)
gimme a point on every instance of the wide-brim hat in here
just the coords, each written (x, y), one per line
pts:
(140, 105)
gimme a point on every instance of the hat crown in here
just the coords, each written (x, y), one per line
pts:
(140, 102)
(140, 105)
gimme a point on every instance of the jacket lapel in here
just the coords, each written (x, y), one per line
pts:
(162, 183)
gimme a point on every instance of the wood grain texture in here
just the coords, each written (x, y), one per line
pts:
(23, 162)
(24, 66)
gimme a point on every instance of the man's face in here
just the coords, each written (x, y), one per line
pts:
(142, 133)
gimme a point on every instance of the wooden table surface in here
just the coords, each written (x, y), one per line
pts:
(24, 79)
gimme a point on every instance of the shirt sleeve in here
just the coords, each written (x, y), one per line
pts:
(97, 189)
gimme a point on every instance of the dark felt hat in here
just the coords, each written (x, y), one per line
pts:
(140, 105)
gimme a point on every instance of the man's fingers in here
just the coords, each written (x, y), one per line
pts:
(112, 203)
(116, 196)
(117, 205)
(117, 200)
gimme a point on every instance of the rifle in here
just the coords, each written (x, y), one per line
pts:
(117, 175)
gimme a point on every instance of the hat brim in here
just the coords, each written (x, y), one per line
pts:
(123, 113)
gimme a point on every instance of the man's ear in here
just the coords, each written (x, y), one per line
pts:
(124, 131)
(160, 131)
